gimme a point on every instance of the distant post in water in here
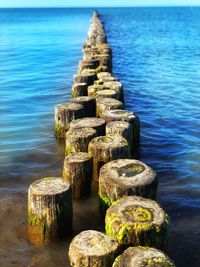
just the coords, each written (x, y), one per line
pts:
(107, 148)
(49, 210)
(64, 114)
(78, 169)
(78, 140)
(132, 118)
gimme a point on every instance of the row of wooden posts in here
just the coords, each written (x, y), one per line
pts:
(102, 142)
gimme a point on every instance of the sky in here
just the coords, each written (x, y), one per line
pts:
(93, 3)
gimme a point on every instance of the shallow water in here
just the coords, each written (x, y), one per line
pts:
(156, 54)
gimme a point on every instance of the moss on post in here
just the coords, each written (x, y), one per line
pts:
(78, 140)
(143, 257)
(89, 104)
(125, 177)
(127, 116)
(97, 124)
(64, 114)
(78, 170)
(79, 89)
(49, 210)
(107, 148)
(137, 221)
(107, 104)
(93, 249)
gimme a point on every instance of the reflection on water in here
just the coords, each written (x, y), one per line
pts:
(159, 66)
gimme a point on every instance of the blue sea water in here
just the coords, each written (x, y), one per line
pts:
(156, 54)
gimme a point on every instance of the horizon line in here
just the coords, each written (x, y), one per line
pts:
(137, 6)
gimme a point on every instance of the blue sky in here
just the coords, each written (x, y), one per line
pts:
(92, 3)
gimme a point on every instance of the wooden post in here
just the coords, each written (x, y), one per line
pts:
(88, 64)
(87, 78)
(49, 210)
(137, 221)
(93, 89)
(107, 104)
(78, 170)
(78, 140)
(125, 177)
(98, 124)
(79, 89)
(101, 75)
(142, 257)
(132, 118)
(107, 148)
(89, 104)
(122, 128)
(93, 249)
(116, 85)
(64, 114)
(108, 93)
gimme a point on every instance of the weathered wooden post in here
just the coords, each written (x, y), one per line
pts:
(78, 169)
(91, 248)
(132, 118)
(101, 75)
(88, 64)
(49, 210)
(108, 93)
(87, 78)
(79, 89)
(116, 85)
(137, 221)
(98, 124)
(125, 177)
(143, 257)
(107, 148)
(122, 128)
(107, 104)
(89, 104)
(64, 114)
(77, 140)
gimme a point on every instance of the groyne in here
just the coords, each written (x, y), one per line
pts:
(102, 143)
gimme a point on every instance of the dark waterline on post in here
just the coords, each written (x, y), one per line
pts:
(30, 151)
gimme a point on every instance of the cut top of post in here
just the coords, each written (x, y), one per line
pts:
(129, 171)
(49, 186)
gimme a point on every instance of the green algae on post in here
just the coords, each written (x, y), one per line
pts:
(64, 114)
(143, 257)
(78, 140)
(78, 169)
(93, 249)
(125, 177)
(79, 89)
(49, 210)
(107, 148)
(137, 221)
